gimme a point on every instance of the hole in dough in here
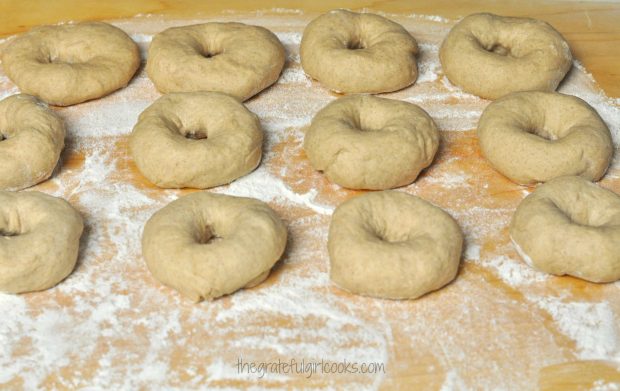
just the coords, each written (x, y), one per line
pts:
(356, 44)
(389, 236)
(209, 53)
(543, 133)
(500, 50)
(496, 48)
(196, 135)
(579, 214)
(208, 236)
(7, 234)
(61, 58)
(363, 125)
(367, 128)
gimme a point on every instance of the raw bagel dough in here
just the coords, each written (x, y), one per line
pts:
(536, 136)
(490, 55)
(71, 63)
(393, 245)
(570, 226)
(39, 241)
(237, 59)
(359, 52)
(366, 142)
(196, 139)
(208, 245)
(31, 139)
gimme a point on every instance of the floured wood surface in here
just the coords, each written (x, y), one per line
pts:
(500, 324)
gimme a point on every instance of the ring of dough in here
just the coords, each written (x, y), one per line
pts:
(490, 55)
(536, 136)
(196, 139)
(570, 225)
(366, 142)
(354, 53)
(71, 63)
(393, 245)
(234, 58)
(208, 245)
(31, 139)
(39, 241)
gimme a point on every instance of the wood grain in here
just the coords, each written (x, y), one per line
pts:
(594, 34)
(592, 28)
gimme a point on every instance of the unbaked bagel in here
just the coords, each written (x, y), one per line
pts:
(208, 245)
(39, 241)
(536, 136)
(31, 139)
(359, 52)
(237, 59)
(570, 226)
(393, 245)
(491, 56)
(366, 142)
(196, 139)
(71, 63)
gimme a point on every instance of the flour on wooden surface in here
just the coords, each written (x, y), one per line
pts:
(593, 326)
(127, 331)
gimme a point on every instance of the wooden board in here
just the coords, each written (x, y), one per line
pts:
(591, 27)
(500, 324)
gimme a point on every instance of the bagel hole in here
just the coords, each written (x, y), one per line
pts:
(542, 133)
(500, 49)
(586, 217)
(61, 59)
(497, 48)
(388, 237)
(385, 238)
(206, 53)
(196, 135)
(356, 44)
(208, 236)
(7, 234)
(579, 218)
(357, 122)
(367, 128)
(2, 137)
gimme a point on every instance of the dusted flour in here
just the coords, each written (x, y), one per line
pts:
(111, 325)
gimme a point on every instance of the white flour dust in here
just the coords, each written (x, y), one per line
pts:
(128, 332)
(593, 326)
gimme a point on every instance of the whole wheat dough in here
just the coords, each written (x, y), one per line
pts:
(359, 52)
(570, 226)
(237, 59)
(31, 139)
(196, 139)
(39, 241)
(537, 136)
(366, 142)
(393, 245)
(207, 245)
(490, 55)
(71, 63)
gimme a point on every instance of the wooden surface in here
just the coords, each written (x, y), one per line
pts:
(592, 28)
(497, 326)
